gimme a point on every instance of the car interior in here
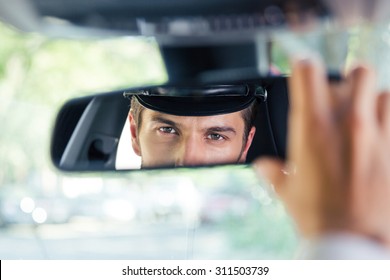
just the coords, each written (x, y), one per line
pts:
(81, 205)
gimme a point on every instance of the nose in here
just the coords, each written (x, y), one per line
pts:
(190, 152)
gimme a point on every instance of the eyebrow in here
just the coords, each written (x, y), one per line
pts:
(161, 119)
(221, 129)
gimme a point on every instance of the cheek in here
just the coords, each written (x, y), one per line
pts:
(156, 150)
(226, 153)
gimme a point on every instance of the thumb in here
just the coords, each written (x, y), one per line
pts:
(271, 169)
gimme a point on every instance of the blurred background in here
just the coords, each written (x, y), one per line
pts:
(215, 213)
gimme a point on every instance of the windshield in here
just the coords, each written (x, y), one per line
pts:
(46, 214)
(46, 210)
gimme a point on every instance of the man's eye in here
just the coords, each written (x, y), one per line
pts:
(168, 130)
(215, 137)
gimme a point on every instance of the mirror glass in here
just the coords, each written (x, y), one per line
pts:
(193, 126)
(172, 126)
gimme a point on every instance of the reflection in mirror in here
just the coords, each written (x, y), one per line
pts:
(193, 130)
(126, 158)
(209, 125)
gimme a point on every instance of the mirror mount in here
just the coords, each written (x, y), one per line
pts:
(204, 63)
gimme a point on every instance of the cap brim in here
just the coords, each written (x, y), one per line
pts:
(196, 106)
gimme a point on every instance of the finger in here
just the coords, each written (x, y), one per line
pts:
(362, 82)
(309, 94)
(383, 113)
(272, 170)
(309, 106)
(363, 122)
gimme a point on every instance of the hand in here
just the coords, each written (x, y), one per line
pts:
(337, 173)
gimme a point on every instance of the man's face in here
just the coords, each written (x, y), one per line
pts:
(169, 140)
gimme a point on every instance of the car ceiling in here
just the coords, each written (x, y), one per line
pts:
(125, 15)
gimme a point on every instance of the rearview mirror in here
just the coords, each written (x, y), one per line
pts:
(94, 133)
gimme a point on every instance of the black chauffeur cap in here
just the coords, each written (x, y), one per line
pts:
(198, 101)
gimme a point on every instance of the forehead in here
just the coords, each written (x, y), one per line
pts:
(234, 120)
